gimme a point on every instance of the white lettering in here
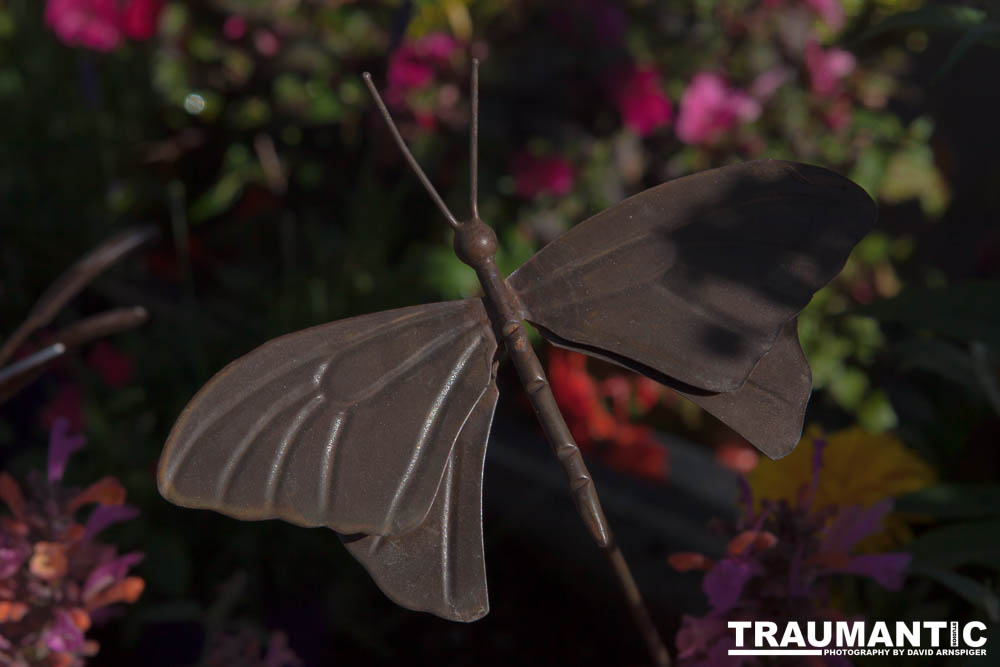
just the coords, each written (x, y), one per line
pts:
(907, 633)
(765, 630)
(827, 634)
(935, 627)
(793, 635)
(739, 626)
(851, 634)
(967, 634)
(880, 635)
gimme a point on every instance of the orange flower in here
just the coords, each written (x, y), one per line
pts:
(106, 491)
(757, 540)
(10, 493)
(127, 590)
(12, 612)
(48, 562)
(685, 561)
(81, 619)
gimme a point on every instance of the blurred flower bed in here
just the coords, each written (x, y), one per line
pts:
(242, 129)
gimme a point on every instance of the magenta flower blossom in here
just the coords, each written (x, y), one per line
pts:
(412, 66)
(89, 23)
(234, 27)
(777, 568)
(827, 68)
(641, 101)
(710, 108)
(102, 25)
(537, 175)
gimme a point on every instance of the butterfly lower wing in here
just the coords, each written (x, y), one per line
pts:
(768, 410)
(439, 566)
(695, 278)
(347, 425)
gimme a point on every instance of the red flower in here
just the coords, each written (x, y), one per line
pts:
(621, 444)
(536, 175)
(642, 103)
(114, 367)
(139, 18)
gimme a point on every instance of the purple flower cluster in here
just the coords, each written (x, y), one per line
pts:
(778, 567)
(55, 579)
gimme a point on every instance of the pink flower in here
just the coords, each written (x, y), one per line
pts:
(139, 18)
(436, 46)
(641, 101)
(235, 27)
(709, 108)
(93, 24)
(536, 175)
(101, 24)
(266, 43)
(114, 367)
(827, 68)
(767, 83)
(407, 70)
(412, 65)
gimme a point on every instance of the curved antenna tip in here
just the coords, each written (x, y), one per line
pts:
(367, 76)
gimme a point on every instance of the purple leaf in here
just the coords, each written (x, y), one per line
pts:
(887, 569)
(105, 515)
(852, 524)
(111, 572)
(724, 583)
(61, 445)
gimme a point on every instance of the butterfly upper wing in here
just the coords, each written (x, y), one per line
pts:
(348, 425)
(439, 566)
(695, 278)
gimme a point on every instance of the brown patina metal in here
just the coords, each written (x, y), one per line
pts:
(376, 426)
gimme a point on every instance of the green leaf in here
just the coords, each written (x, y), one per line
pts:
(952, 501)
(934, 17)
(940, 357)
(965, 587)
(968, 543)
(965, 311)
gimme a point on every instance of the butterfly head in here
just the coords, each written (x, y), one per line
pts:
(475, 242)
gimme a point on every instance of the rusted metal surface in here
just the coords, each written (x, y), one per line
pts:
(346, 425)
(376, 426)
(439, 566)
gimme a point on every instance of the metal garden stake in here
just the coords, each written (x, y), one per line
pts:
(376, 426)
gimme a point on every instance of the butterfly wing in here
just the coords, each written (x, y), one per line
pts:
(695, 278)
(439, 566)
(768, 410)
(696, 283)
(347, 425)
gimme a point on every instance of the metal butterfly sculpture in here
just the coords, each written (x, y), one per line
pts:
(376, 426)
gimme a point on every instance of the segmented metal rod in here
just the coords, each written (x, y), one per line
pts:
(584, 493)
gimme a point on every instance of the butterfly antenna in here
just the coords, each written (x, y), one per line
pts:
(407, 154)
(474, 143)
